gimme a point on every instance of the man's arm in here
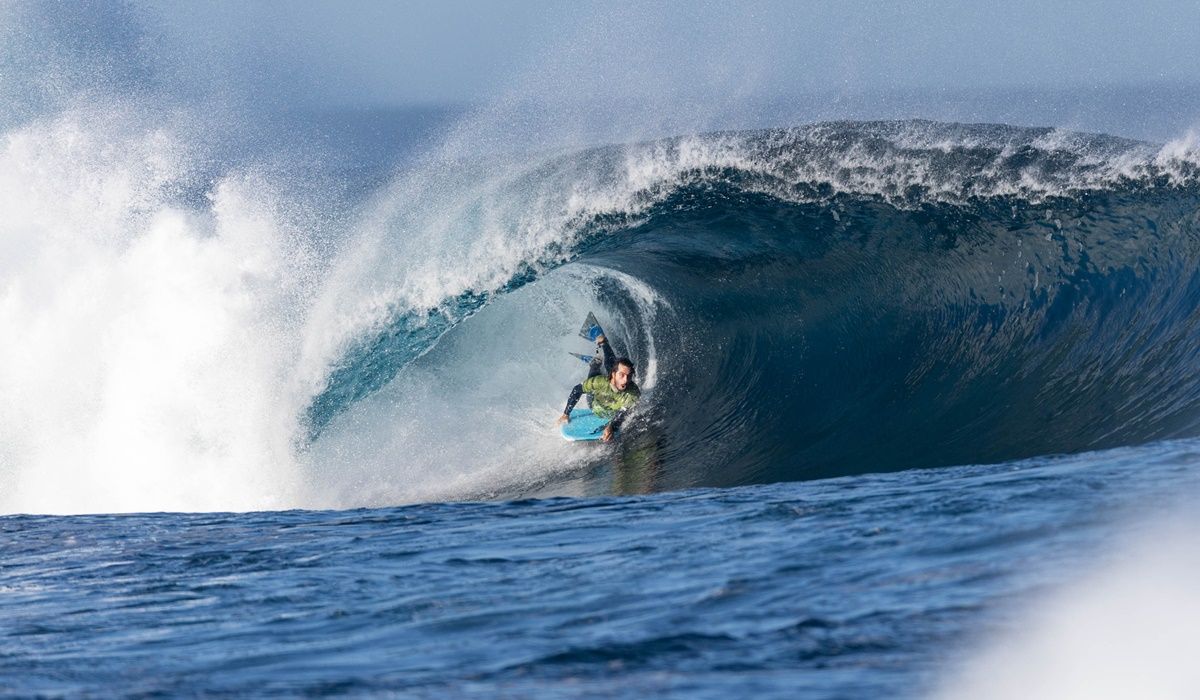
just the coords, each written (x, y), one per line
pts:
(614, 425)
(619, 419)
(571, 401)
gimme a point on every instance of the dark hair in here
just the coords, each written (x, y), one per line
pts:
(624, 361)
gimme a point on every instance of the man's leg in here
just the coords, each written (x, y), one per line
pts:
(596, 366)
(610, 358)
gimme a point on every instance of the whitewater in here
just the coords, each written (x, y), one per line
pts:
(278, 393)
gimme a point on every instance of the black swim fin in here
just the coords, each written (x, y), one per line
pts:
(591, 328)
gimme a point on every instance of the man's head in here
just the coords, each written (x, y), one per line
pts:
(621, 375)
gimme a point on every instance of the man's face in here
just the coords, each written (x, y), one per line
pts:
(620, 377)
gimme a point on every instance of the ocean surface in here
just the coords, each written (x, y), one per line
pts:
(879, 585)
(278, 390)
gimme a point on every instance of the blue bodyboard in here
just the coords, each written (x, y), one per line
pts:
(584, 425)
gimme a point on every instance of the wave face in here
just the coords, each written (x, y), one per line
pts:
(830, 338)
(190, 328)
(836, 299)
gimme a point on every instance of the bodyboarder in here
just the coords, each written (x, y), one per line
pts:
(613, 391)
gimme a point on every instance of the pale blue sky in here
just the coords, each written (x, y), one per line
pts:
(458, 50)
(625, 70)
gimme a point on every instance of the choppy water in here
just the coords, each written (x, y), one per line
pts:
(863, 586)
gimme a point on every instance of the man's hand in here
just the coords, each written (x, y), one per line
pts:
(608, 433)
(600, 340)
(564, 418)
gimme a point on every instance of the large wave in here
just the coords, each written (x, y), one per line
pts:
(185, 332)
(825, 300)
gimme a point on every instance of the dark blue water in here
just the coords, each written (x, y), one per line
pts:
(857, 587)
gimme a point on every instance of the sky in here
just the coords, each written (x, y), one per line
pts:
(656, 67)
(421, 51)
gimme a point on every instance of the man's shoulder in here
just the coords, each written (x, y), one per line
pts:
(591, 384)
(633, 390)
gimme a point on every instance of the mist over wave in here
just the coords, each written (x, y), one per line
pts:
(148, 343)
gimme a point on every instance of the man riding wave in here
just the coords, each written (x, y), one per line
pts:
(612, 396)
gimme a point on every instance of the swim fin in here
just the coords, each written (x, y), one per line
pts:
(586, 359)
(591, 328)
